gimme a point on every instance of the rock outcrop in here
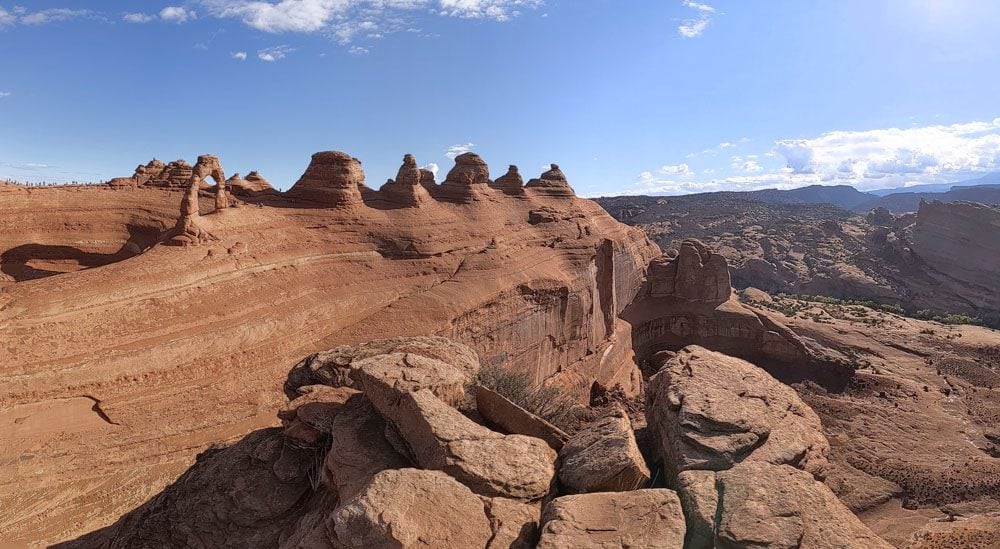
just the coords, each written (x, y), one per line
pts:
(961, 241)
(309, 418)
(551, 183)
(251, 186)
(511, 182)
(757, 504)
(406, 189)
(333, 178)
(642, 519)
(468, 181)
(603, 456)
(334, 367)
(687, 300)
(709, 411)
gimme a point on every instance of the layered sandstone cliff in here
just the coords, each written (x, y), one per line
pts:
(147, 340)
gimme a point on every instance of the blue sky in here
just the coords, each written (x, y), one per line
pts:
(628, 96)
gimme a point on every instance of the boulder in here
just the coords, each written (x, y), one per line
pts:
(384, 376)
(333, 178)
(552, 183)
(514, 524)
(359, 449)
(503, 414)
(317, 406)
(641, 519)
(603, 456)
(333, 367)
(700, 501)
(440, 437)
(765, 505)
(711, 411)
(411, 508)
(978, 532)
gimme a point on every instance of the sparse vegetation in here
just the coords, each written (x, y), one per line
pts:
(550, 403)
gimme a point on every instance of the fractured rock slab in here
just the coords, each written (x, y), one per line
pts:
(603, 456)
(641, 519)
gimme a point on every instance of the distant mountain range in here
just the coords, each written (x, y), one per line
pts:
(901, 200)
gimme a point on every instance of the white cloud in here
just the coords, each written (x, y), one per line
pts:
(240, 55)
(726, 145)
(432, 167)
(678, 169)
(177, 14)
(7, 18)
(51, 15)
(695, 26)
(345, 19)
(358, 50)
(4, 94)
(929, 151)
(275, 53)
(866, 159)
(138, 17)
(456, 150)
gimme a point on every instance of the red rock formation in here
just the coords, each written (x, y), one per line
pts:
(551, 183)
(511, 182)
(333, 178)
(687, 300)
(468, 181)
(406, 189)
(223, 321)
(189, 228)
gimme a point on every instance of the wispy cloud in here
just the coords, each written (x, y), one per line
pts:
(240, 56)
(138, 18)
(275, 53)
(177, 14)
(4, 94)
(456, 150)
(693, 27)
(358, 50)
(45, 16)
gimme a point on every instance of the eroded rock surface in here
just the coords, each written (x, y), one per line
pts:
(603, 456)
(503, 414)
(711, 411)
(333, 178)
(642, 519)
(411, 508)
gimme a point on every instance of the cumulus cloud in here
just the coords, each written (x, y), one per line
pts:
(866, 159)
(240, 56)
(177, 14)
(677, 169)
(138, 17)
(431, 167)
(693, 27)
(928, 151)
(499, 10)
(275, 53)
(456, 150)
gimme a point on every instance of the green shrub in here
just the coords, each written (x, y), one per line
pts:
(549, 403)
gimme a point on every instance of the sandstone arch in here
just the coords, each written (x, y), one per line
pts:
(189, 229)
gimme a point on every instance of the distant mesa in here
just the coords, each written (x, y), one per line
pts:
(552, 182)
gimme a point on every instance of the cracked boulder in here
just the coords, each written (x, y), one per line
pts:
(438, 436)
(603, 456)
(514, 524)
(310, 417)
(640, 519)
(757, 504)
(710, 411)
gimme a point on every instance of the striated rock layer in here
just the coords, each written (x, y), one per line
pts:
(154, 335)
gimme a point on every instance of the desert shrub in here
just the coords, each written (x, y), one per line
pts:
(549, 403)
(958, 319)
